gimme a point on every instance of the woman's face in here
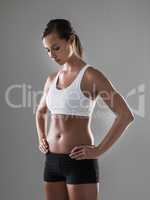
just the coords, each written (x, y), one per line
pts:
(58, 49)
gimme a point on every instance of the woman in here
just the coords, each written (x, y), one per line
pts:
(71, 168)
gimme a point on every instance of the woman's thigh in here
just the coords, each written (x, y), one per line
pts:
(84, 191)
(55, 190)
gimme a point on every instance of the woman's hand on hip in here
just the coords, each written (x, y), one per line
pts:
(84, 152)
(43, 145)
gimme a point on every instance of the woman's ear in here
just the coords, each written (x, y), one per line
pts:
(72, 38)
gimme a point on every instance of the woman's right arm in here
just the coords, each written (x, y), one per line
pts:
(41, 117)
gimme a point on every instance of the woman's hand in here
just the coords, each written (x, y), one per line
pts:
(84, 152)
(43, 145)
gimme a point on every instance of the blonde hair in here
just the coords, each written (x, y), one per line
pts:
(77, 46)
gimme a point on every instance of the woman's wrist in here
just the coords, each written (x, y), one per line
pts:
(42, 138)
(98, 149)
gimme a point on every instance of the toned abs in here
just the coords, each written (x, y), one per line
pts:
(66, 131)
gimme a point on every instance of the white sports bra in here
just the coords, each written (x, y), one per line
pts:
(69, 100)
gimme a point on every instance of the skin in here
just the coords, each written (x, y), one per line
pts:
(70, 134)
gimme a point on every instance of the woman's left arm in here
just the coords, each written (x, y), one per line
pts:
(117, 104)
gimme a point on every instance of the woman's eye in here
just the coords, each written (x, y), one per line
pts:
(56, 48)
(47, 50)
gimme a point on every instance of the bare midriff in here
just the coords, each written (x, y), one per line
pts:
(68, 131)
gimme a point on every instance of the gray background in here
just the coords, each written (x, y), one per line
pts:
(115, 36)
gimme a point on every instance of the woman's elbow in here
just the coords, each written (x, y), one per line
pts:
(41, 113)
(129, 116)
(125, 116)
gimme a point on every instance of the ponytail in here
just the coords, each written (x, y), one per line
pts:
(77, 46)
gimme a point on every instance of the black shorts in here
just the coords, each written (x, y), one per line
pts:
(60, 167)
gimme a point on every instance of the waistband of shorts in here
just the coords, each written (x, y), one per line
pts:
(49, 153)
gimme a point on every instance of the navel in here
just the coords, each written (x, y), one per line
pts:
(58, 136)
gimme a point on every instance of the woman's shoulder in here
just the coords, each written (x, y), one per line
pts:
(49, 80)
(101, 81)
(94, 72)
(95, 75)
(51, 76)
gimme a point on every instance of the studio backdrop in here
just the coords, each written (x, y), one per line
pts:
(115, 37)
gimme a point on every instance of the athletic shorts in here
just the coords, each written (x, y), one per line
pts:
(60, 167)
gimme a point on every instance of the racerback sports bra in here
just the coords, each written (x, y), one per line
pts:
(69, 100)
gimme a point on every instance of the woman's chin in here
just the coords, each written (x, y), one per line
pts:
(60, 62)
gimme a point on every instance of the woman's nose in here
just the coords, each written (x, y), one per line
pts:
(52, 55)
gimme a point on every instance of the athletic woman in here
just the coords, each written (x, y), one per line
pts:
(71, 169)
